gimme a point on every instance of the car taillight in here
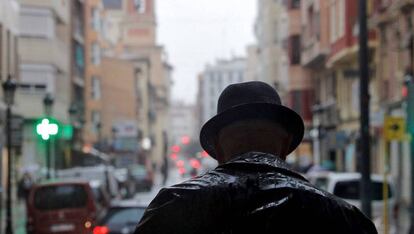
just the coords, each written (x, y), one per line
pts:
(88, 224)
(101, 230)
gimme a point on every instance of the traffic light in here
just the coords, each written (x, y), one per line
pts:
(46, 128)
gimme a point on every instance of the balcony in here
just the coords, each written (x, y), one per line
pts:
(33, 50)
(60, 8)
(313, 53)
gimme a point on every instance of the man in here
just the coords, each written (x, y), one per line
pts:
(252, 190)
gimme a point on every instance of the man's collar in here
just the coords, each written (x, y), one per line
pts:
(263, 159)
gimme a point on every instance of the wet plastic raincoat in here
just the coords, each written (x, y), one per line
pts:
(253, 193)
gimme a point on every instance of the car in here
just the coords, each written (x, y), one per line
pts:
(102, 173)
(346, 186)
(122, 217)
(142, 177)
(61, 207)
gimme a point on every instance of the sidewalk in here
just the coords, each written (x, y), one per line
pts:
(19, 217)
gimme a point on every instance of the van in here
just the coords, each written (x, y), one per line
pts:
(61, 207)
(346, 186)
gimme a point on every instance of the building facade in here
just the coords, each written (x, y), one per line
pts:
(44, 43)
(315, 49)
(94, 41)
(135, 41)
(182, 123)
(393, 21)
(78, 72)
(214, 79)
(271, 29)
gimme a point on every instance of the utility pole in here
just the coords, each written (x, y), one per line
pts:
(365, 164)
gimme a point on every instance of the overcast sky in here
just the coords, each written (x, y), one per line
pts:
(197, 32)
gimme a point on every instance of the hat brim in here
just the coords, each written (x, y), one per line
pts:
(286, 117)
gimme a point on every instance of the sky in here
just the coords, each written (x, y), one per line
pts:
(197, 32)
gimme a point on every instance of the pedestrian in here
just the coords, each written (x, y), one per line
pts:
(25, 184)
(252, 190)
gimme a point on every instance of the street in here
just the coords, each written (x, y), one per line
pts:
(173, 178)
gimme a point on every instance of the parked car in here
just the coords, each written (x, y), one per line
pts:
(346, 186)
(142, 177)
(102, 173)
(61, 207)
(122, 217)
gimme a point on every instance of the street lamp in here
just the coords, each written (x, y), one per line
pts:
(73, 111)
(48, 103)
(9, 87)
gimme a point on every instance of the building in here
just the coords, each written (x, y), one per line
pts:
(94, 42)
(393, 20)
(182, 123)
(78, 69)
(342, 61)
(45, 68)
(271, 29)
(315, 49)
(9, 66)
(252, 62)
(214, 79)
(135, 41)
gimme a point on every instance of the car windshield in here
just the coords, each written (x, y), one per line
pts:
(139, 171)
(124, 216)
(350, 190)
(60, 197)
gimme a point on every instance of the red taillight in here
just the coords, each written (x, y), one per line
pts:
(101, 230)
(195, 163)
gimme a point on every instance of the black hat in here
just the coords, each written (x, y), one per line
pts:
(250, 100)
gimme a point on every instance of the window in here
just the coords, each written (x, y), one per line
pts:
(296, 98)
(295, 48)
(337, 19)
(95, 119)
(139, 6)
(350, 190)
(96, 54)
(96, 88)
(294, 4)
(112, 4)
(37, 22)
(60, 197)
(79, 60)
(122, 215)
(96, 19)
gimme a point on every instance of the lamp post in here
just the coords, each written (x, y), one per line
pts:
(48, 103)
(9, 87)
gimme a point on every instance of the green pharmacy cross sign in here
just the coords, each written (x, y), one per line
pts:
(46, 129)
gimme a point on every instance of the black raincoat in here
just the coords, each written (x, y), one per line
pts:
(253, 193)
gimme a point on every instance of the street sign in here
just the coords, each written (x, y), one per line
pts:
(45, 129)
(394, 128)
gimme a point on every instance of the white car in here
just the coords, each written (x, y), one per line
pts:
(346, 186)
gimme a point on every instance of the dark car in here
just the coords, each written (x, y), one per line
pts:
(122, 218)
(61, 207)
(142, 178)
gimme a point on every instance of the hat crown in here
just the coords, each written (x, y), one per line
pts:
(247, 93)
